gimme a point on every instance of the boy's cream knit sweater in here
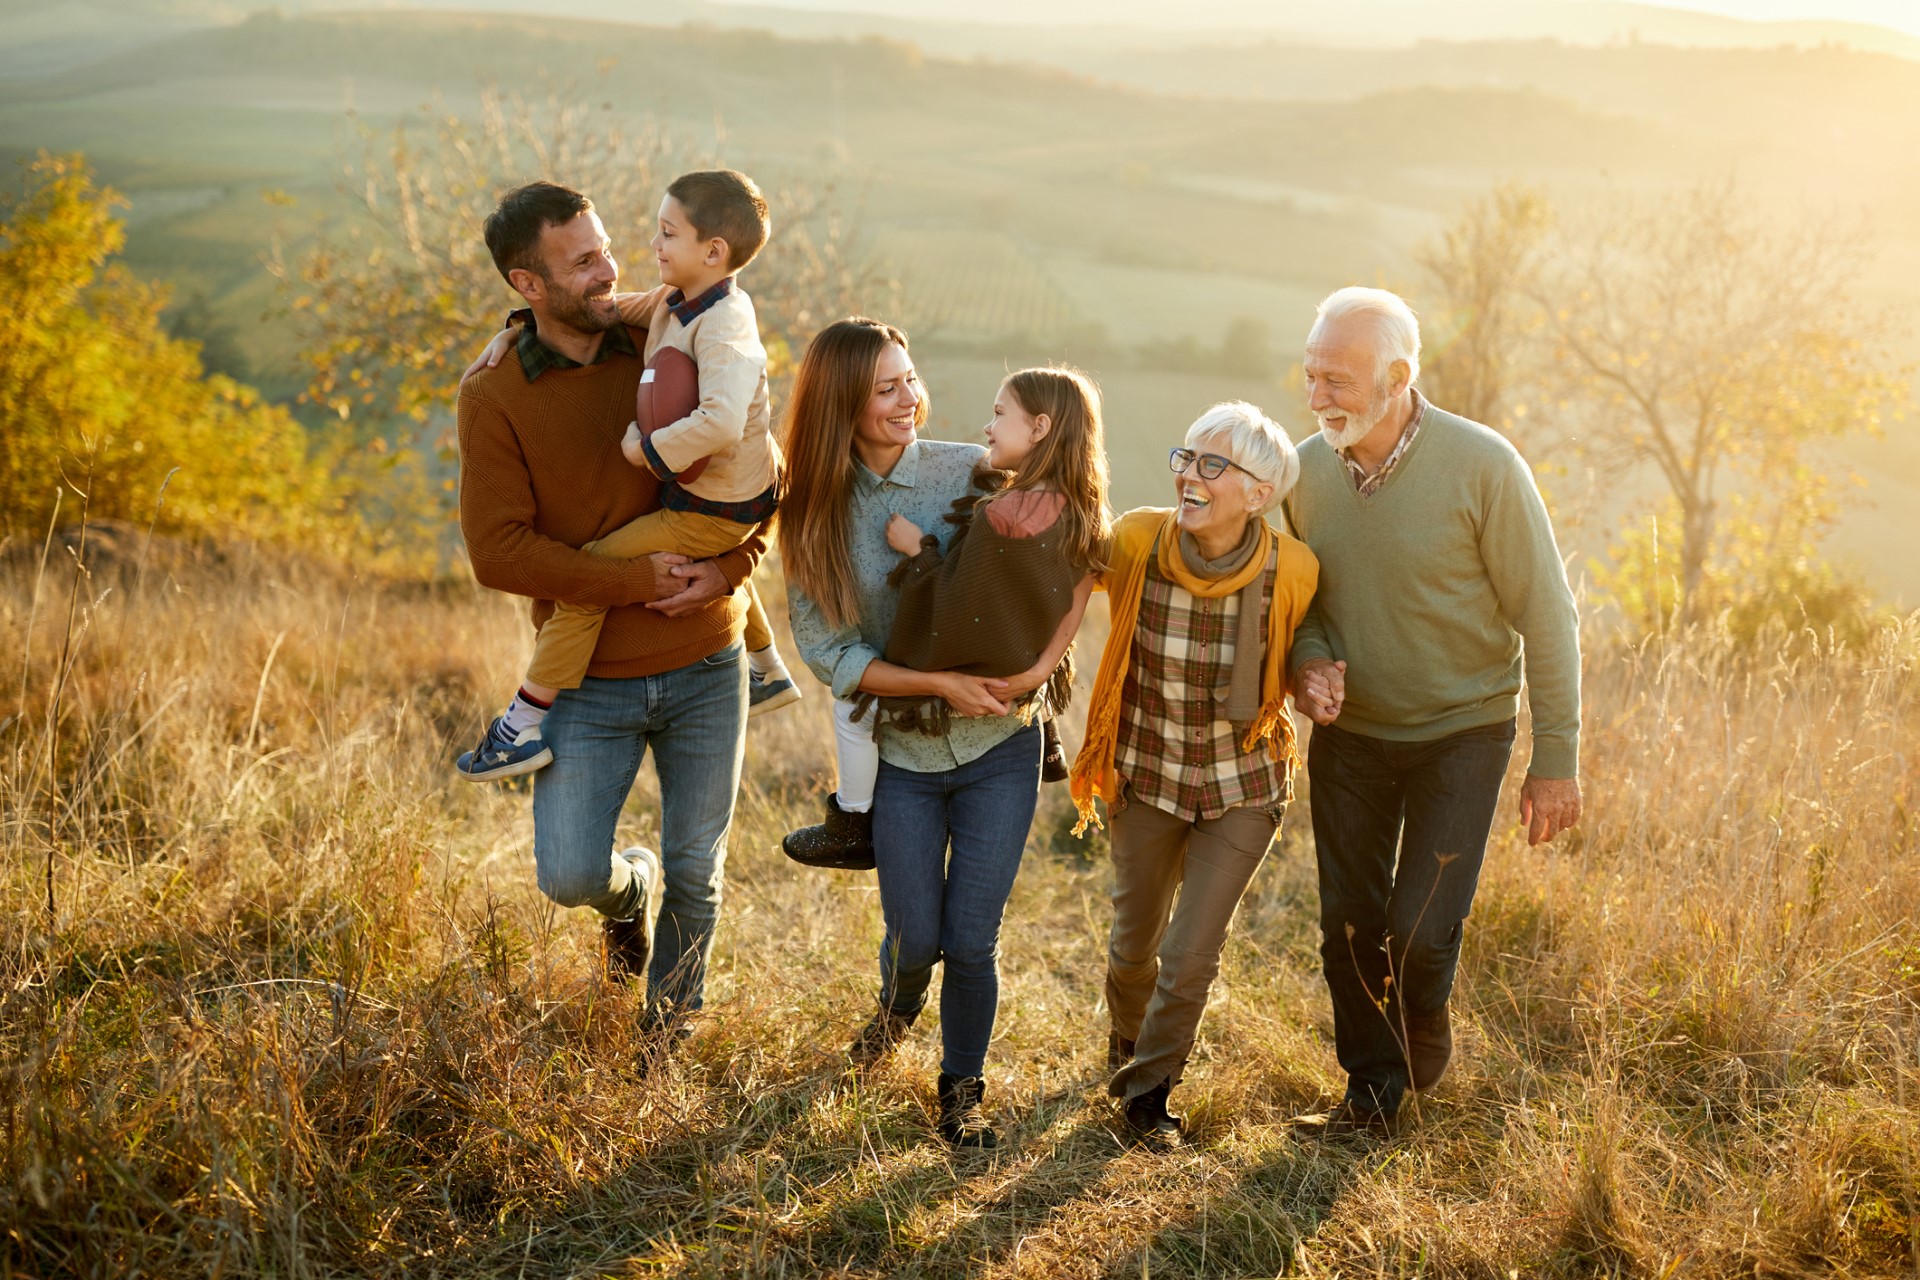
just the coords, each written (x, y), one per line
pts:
(733, 425)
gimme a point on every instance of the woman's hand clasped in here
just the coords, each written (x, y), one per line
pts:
(974, 695)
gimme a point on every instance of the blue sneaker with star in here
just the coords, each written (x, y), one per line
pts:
(769, 693)
(502, 755)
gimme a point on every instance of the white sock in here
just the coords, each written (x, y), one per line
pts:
(858, 756)
(524, 712)
(765, 663)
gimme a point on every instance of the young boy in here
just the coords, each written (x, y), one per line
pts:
(712, 223)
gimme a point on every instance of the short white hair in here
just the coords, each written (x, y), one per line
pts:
(1254, 441)
(1395, 326)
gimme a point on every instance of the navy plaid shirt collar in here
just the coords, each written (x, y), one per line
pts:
(536, 357)
(687, 312)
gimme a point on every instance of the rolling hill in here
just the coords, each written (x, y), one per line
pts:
(1029, 211)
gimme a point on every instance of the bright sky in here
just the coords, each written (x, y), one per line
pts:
(1901, 15)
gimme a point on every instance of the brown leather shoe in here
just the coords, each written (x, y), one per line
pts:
(1119, 1051)
(628, 948)
(1429, 1047)
(1148, 1121)
(630, 941)
(1346, 1121)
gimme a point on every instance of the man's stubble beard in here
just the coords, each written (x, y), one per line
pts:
(576, 312)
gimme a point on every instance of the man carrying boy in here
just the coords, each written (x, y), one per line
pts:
(717, 464)
(540, 477)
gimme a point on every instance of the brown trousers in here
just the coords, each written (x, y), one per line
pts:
(1163, 953)
(564, 647)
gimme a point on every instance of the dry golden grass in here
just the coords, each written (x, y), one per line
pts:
(281, 998)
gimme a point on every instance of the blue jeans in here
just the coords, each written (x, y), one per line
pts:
(1400, 830)
(694, 718)
(941, 908)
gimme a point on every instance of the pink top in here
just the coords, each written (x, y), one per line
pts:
(1024, 513)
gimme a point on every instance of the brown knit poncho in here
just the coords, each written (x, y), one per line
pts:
(988, 607)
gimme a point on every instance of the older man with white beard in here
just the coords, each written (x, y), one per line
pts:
(1440, 584)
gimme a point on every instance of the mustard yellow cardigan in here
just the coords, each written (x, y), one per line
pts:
(1136, 536)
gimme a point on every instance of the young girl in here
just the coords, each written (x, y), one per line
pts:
(1002, 602)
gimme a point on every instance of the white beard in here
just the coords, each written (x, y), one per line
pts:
(1357, 427)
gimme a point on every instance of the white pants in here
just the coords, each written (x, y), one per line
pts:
(858, 757)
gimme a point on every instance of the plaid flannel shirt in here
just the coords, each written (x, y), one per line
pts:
(1173, 748)
(752, 511)
(536, 357)
(1367, 484)
(686, 310)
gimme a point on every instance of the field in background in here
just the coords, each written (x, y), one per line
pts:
(1102, 208)
(300, 1010)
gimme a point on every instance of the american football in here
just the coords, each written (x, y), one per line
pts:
(669, 391)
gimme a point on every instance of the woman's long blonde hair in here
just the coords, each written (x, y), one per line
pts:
(1071, 459)
(830, 393)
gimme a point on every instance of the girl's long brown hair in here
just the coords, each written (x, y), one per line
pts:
(830, 392)
(1071, 459)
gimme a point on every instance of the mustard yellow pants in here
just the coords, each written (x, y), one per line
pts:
(565, 645)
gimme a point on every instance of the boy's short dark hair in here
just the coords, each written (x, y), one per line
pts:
(514, 227)
(727, 204)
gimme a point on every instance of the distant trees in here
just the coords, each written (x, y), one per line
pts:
(1485, 264)
(400, 293)
(100, 404)
(1688, 337)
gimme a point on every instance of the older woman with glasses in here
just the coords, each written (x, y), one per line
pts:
(1188, 737)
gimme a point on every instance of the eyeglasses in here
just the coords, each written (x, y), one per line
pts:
(1211, 466)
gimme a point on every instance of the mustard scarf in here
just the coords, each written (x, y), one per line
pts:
(1136, 536)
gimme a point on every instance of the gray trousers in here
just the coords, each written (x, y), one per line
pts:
(1164, 953)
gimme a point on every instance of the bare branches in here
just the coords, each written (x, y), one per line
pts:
(401, 291)
(1689, 331)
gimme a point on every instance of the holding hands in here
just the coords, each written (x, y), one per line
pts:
(1548, 806)
(1322, 690)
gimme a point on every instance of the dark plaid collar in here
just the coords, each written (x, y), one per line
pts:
(687, 312)
(536, 357)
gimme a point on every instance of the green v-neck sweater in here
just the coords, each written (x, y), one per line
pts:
(1440, 590)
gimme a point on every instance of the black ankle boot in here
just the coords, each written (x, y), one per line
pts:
(1053, 760)
(884, 1030)
(1148, 1120)
(844, 841)
(1119, 1051)
(962, 1122)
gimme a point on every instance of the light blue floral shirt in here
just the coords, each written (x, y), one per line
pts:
(922, 487)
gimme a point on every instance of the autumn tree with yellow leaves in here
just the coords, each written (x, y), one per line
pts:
(100, 406)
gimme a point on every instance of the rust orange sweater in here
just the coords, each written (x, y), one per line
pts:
(541, 474)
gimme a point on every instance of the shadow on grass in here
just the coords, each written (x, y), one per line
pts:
(1254, 1219)
(816, 1174)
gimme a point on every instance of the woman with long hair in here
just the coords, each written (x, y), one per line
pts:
(950, 808)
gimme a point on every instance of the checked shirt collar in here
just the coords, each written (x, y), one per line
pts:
(536, 357)
(687, 312)
(1367, 484)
